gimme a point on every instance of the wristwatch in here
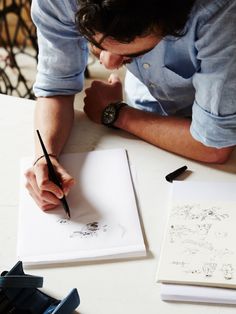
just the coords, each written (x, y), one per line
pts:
(111, 113)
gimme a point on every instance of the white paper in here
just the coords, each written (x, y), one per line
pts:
(197, 294)
(199, 246)
(104, 218)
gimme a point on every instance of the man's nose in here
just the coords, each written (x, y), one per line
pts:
(111, 61)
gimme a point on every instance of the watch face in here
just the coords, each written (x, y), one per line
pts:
(109, 115)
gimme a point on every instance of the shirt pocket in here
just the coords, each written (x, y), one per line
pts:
(176, 80)
(176, 86)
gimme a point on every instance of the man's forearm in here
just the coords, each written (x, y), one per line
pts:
(54, 118)
(169, 133)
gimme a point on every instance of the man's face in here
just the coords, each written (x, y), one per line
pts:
(113, 54)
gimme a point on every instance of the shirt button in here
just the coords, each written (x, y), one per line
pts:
(152, 85)
(146, 65)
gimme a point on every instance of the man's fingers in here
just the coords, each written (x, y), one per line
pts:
(43, 203)
(67, 180)
(43, 182)
(47, 194)
(45, 200)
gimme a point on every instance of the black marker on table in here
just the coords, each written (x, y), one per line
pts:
(173, 175)
(52, 174)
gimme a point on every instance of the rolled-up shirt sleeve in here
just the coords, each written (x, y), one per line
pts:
(62, 51)
(214, 108)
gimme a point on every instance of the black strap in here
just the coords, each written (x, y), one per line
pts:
(24, 281)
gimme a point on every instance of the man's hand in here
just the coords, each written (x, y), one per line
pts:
(46, 194)
(100, 95)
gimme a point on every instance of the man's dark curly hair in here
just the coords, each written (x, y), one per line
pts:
(123, 20)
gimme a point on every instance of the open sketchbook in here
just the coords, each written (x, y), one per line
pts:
(199, 245)
(104, 218)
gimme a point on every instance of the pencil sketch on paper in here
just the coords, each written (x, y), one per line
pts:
(228, 271)
(199, 212)
(199, 240)
(209, 269)
(63, 221)
(92, 229)
(179, 231)
(206, 269)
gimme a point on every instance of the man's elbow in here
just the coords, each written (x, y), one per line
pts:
(220, 155)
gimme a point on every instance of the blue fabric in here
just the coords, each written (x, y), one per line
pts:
(62, 51)
(194, 75)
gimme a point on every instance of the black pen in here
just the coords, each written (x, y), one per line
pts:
(173, 175)
(52, 174)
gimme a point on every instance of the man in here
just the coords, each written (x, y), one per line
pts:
(182, 54)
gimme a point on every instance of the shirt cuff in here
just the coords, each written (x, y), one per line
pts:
(211, 130)
(48, 86)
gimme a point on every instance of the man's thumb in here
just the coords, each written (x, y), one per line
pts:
(114, 78)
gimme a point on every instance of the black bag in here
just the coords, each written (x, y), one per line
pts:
(19, 295)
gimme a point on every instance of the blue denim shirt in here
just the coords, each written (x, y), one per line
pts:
(194, 75)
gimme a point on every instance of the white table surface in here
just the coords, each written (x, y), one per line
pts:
(118, 286)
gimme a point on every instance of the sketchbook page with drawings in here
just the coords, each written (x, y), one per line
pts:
(199, 245)
(104, 218)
